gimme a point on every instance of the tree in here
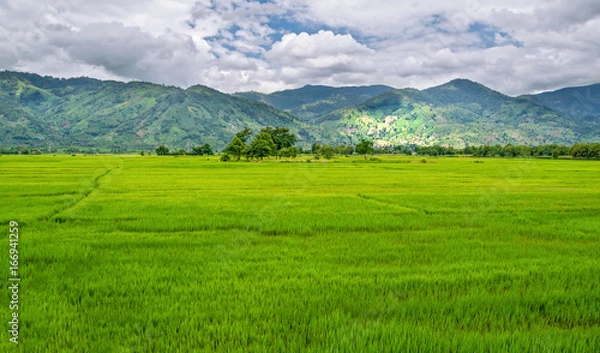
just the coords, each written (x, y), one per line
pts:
(244, 135)
(339, 149)
(348, 150)
(315, 148)
(580, 150)
(290, 152)
(236, 147)
(343, 150)
(204, 150)
(594, 150)
(485, 151)
(162, 150)
(327, 151)
(365, 147)
(281, 136)
(524, 151)
(262, 146)
(510, 151)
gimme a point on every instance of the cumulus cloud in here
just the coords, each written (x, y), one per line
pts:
(235, 45)
(130, 52)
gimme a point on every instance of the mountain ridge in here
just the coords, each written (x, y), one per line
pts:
(310, 101)
(86, 112)
(457, 113)
(133, 115)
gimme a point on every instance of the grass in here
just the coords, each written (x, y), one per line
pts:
(184, 254)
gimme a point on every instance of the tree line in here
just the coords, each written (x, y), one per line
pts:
(203, 150)
(579, 150)
(280, 143)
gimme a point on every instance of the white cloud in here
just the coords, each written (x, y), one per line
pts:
(130, 52)
(300, 47)
(234, 45)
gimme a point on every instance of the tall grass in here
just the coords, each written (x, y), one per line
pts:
(132, 254)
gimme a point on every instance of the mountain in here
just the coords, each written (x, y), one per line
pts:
(38, 111)
(84, 112)
(310, 102)
(457, 113)
(579, 102)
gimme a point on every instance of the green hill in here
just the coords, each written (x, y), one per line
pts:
(581, 103)
(310, 102)
(38, 111)
(457, 113)
(83, 112)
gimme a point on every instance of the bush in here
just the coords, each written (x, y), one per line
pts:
(225, 158)
(162, 150)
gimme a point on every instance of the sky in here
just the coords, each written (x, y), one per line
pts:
(512, 46)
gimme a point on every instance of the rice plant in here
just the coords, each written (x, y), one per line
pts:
(178, 254)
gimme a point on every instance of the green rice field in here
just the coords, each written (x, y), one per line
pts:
(189, 254)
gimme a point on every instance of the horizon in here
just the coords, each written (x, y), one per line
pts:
(294, 88)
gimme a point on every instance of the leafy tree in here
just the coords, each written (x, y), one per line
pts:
(485, 150)
(315, 148)
(244, 135)
(524, 151)
(365, 147)
(290, 152)
(281, 136)
(327, 151)
(162, 150)
(236, 147)
(348, 150)
(262, 146)
(580, 150)
(594, 150)
(197, 151)
(510, 151)
(344, 150)
(204, 150)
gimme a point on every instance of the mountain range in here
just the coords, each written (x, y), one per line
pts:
(41, 111)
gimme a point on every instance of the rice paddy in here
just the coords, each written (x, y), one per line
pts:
(188, 254)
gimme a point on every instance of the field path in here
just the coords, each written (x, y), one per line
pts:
(73, 204)
(397, 207)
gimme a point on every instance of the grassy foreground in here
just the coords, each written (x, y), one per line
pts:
(185, 254)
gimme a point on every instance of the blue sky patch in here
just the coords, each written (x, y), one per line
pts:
(492, 37)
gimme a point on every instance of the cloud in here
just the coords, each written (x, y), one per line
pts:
(130, 52)
(297, 48)
(234, 45)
